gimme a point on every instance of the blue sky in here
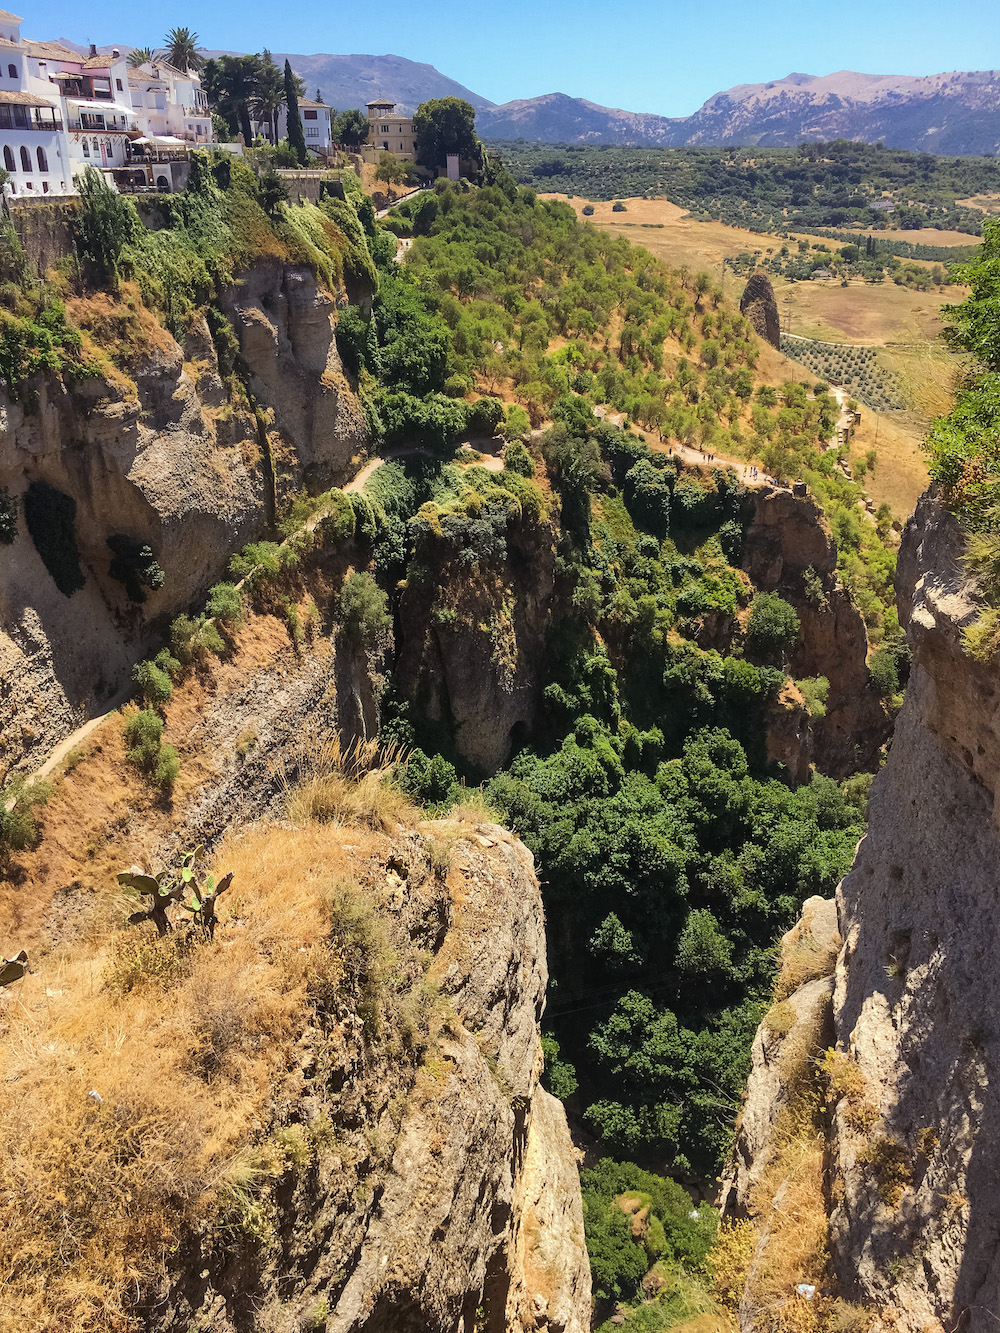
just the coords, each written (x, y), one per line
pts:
(649, 56)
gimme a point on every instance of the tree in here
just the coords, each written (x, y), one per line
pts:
(773, 626)
(182, 49)
(445, 125)
(390, 169)
(296, 134)
(103, 227)
(350, 128)
(142, 55)
(273, 191)
(231, 85)
(269, 92)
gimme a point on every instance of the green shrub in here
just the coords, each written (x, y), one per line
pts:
(517, 425)
(337, 526)
(618, 207)
(884, 672)
(134, 566)
(363, 609)
(153, 683)
(485, 416)
(559, 1076)
(773, 626)
(225, 604)
(814, 691)
(517, 459)
(18, 825)
(258, 564)
(588, 210)
(50, 517)
(145, 748)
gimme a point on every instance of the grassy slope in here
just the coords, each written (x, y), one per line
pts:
(884, 314)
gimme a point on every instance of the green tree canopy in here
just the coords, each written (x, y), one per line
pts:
(296, 134)
(350, 128)
(445, 125)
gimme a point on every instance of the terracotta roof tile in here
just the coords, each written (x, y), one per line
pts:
(24, 99)
(6, 17)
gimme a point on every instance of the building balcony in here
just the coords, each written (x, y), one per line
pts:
(27, 122)
(96, 125)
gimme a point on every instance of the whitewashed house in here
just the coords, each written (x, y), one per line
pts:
(34, 146)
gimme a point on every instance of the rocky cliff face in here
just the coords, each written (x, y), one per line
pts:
(163, 457)
(474, 660)
(787, 536)
(917, 982)
(912, 1166)
(461, 1210)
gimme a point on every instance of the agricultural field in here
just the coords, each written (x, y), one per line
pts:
(856, 369)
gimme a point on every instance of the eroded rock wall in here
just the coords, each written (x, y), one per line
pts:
(918, 987)
(787, 536)
(166, 459)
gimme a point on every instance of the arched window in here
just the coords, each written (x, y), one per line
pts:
(109, 148)
(86, 147)
(96, 147)
(8, 158)
(43, 161)
(25, 159)
(12, 71)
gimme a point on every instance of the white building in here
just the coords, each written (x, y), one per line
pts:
(34, 147)
(61, 112)
(315, 119)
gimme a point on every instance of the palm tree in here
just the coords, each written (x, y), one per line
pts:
(182, 49)
(142, 55)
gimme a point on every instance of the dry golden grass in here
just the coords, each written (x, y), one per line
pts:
(188, 1047)
(348, 785)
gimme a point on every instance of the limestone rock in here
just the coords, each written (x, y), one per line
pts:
(788, 542)
(165, 460)
(783, 1040)
(759, 306)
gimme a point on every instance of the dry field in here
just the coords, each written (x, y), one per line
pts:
(906, 323)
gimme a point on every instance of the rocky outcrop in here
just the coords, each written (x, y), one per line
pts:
(449, 1197)
(917, 983)
(165, 458)
(759, 306)
(912, 1174)
(788, 549)
(797, 1027)
(475, 659)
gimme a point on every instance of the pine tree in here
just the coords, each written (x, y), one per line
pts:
(296, 135)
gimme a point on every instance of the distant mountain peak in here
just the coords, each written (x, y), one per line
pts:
(953, 113)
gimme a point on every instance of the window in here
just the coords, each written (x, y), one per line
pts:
(118, 85)
(309, 115)
(45, 187)
(43, 161)
(86, 147)
(8, 158)
(12, 71)
(108, 148)
(96, 146)
(312, 132)
(25, 159)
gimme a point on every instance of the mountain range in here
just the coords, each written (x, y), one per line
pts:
(956, 113)
(939, 113)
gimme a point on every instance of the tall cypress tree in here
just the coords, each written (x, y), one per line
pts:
(296, 137)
